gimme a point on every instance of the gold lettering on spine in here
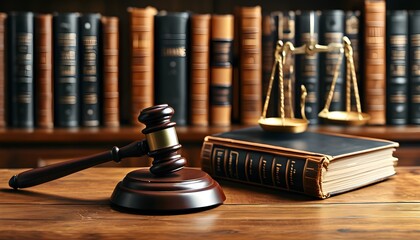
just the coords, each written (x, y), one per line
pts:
(246, 166)
(260, 169)
(286, 175)
(174, 52)
(218, 160)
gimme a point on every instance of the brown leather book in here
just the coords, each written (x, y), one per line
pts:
(110, 30)
(250, 64)
(3, 17)
(200, 72)
(142, 52)
(375, 61)
(221, 69)
(44, 71)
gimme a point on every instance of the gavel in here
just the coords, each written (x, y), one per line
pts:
(166, 185)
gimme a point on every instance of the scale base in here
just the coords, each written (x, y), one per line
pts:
(186, 190)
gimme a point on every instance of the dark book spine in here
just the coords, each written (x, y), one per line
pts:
(89, 33)
(332, 31)
(66, 69)
(3, 18)
(397, 69)
(269, 40)
(352, 31)
(171, 65)
(414, 85)
(21, 74)
(307, 73)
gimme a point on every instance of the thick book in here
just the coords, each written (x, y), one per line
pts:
(352, 31)
(90, 69)
(221, 69)
(375, 61)
(110, 50)
(66, 69)
(20, 69)
(171, 62)
(397, 67)
(44, 71)
(200, 69)
(316, 164)
(414, 49)
(3, 17)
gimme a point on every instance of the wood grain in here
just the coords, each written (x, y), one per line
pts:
(77, 207)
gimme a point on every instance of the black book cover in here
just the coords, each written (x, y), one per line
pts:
(307, 73)
(20, 75)
(397, 61)
(171, 62)
(332, 31)
(90, 69)
(414, 48)
(66, 69)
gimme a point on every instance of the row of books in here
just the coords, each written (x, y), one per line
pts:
(59, 70)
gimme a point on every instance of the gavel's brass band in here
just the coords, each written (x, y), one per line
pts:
(162, 139)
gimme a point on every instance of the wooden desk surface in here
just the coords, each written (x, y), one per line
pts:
(76, 207)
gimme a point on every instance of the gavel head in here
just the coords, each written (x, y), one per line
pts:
(162, 139)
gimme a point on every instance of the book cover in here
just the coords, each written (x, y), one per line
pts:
(3, 17)
(21, 69)
(316, 164)
(171, 62)
(414, 68)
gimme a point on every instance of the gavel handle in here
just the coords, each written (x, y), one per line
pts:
(51, 172)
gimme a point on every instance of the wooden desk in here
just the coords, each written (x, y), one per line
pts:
(76, 207)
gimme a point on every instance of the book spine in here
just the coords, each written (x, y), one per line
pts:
(307, 73)
(21, 74)
(397, 69)
(171, 71)
(142, 59)
(89, 32)
(66, 69)
(332, 31)
(221, 69)
(110, 40)
(375, 61)
(352, 31)
(280, 171)
(414, 48)
(236, 104)
(44, 71)
(200, 69)
(250, 65)
(3, 17)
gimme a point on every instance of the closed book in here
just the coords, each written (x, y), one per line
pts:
(44, 71)
(375, 61)
(171, 62)
(397, 67)
(221, 69)
(316, 164)
(66, 69)
(352, 31)
(414, 68)
(332, 31)
(110, 50)
(307, 73)
(3, 17)
(142, 59)
(200, 69)
(20, 69)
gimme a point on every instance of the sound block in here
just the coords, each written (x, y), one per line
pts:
(188, 189)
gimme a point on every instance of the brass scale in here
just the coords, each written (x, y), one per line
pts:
(297, 125)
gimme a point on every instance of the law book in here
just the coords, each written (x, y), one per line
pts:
(44, 71)
(90, 69)
(375, 61)
(250, 66)
(66, 69)
(307, 72)
(316, 164)
(142, 59)
(200, 69)
(221, 69)
(332, 31)
(3, 17)
(414, 68)
(20, 69)
(110, 51)
(352, 31)
(171, 62)
(397, 67)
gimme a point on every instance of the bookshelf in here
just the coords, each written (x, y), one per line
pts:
(29, 148)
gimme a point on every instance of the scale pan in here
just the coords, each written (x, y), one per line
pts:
(345, 118)
(291, 125)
